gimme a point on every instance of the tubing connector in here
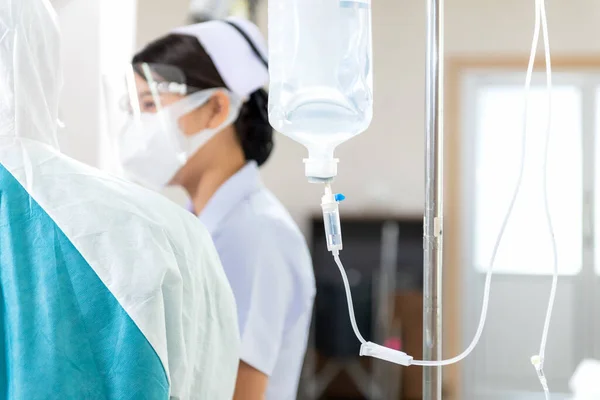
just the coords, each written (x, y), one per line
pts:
(374, 350)
(537, 362)
(320, 166)
(331, 219)
(320, 170)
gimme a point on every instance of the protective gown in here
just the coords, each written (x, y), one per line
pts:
(108, 291)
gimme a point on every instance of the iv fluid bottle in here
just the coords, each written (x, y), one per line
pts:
(321, 75)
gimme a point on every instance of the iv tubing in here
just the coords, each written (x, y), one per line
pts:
(538, 361)
(349, 299)
(540, 22)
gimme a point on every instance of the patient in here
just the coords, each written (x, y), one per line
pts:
(108, 291)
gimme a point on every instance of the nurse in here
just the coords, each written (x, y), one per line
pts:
(200, 122)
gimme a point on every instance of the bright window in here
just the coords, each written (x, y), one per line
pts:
(497, 133)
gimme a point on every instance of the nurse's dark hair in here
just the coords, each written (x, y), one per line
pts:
(189, 56)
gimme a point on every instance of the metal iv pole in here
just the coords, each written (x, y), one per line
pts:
(434, 201)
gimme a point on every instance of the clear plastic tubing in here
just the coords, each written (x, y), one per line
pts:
(374, 350)
(321, 75)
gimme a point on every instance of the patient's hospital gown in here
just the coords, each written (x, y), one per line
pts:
(108, 291)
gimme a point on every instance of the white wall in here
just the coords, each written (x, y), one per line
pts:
(97, 35)
(118, 30)
(157, 17)
(80, 102)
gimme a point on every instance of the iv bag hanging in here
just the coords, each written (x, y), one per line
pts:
(321, 75)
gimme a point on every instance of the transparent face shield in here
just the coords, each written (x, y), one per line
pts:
(161, 121)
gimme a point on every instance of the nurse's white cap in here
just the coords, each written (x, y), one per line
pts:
(241, 68)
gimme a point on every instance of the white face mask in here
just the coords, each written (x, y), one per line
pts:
(153, 148)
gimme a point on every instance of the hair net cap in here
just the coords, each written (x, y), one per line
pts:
(241, 69)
